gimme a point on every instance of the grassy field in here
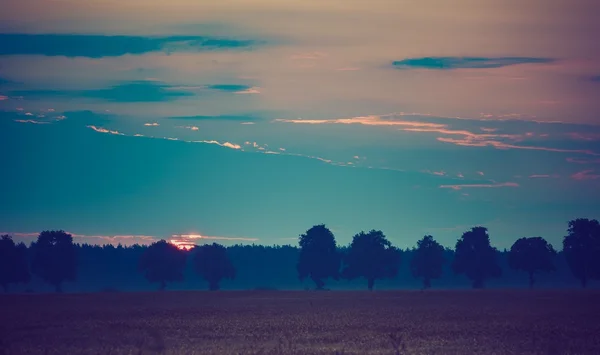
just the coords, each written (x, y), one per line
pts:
(301, 322)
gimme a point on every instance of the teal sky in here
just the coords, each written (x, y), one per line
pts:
(251, 121)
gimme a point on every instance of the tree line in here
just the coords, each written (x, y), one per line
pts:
(55, 259)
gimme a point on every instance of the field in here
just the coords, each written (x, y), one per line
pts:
(302, 322)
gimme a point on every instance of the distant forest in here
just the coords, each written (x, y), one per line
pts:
(55, 263)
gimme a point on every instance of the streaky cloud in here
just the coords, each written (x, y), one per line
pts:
(583, 161)
(228, 87)
(585, 175)
(372, 120)
(449, 63)
(470, 186)
(242, 118)
(98, 46)
(131, 91)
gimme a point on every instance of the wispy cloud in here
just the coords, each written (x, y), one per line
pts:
(585, 175)
(151, 124)
(543, 176)
(469, 186)
(32, 121)
(104, 130)
(372, 120)
(449, 63)
(583, 161)
(98, 46)
(132, 91)
(2, 97)
(243, 118)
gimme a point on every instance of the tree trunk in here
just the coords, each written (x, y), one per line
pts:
(531, 279)
(318, 282)
(162, 286)
(426, 283)
(213, 285)
(371, 283)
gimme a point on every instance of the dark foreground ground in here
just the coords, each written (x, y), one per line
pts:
(301, 322)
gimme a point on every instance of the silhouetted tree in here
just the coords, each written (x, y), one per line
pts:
(371, 256)
(162, 262)
(55, 258)
(13, 262)
(475, 257)
(319, 258)
(428, 260)
(532, 255)
(582, 249)
(213, 264)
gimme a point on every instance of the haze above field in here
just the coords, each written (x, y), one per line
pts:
(252, 121)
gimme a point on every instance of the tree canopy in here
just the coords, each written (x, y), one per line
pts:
(428, 260)
(319, 258)
(13, 262)
(213, 264)
(371, 256)
(532, 255)
(475, 257)
(582, 249)
(163, 262)
(55, 258)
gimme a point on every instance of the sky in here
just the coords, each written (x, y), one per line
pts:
(251, 121)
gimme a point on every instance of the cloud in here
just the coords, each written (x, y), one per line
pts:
(153, 124)
(372, 120)
(500, 145)
(595, 78)
(98, 46)
(31, 121)
(584, 136)
(348, 69)
(585, 175)
(249, 91)
(449, 63)
(104, 130)
(494, 140)
(466, 186)
(222, 144)
(132, 91)
(244, 118)
(583, 161)
(2, 98)
(309, 55)
(543, 176)
(228, 87)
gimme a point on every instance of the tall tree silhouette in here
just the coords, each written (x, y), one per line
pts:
(55, 258)
(163, 262)
(213, 264)
(475, 257)
(319, 258)
(13, 262)
(427, 260)
(582, 249)
(532, 255)
(371, 256)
